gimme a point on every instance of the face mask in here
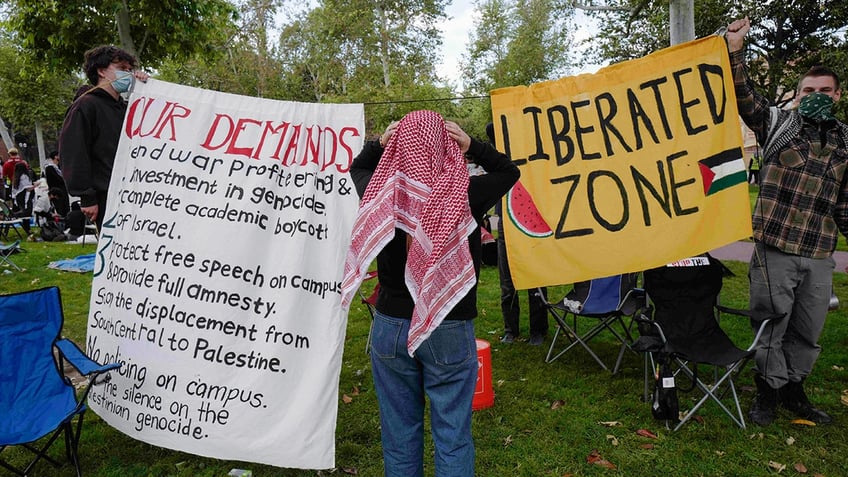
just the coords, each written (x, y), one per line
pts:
(123, 81)
(816, 107)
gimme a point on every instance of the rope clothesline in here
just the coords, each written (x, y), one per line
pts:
(370, 103)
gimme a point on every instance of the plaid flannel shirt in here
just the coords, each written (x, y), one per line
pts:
(803, 199)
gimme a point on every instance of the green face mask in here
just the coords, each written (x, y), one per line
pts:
(816, 107)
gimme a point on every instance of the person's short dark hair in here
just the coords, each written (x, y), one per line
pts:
(52, 155)
(101, 57)
(820, 70)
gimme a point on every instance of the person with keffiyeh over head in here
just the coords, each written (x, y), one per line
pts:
(801, 207)
(420, 217)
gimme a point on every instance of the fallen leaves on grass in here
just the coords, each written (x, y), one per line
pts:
(594, 457)
(800, 468)
(844, 397)
(646, 433)
(507, 440)
(557, 404)
(350, 470)
(647, 446)
(790, 440)
(613, 440)
(803, 422)
(610, 423)
(354, 392)
(777, 466)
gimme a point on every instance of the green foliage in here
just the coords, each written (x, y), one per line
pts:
(30, 93)
(546, 420)
(238, 59)
(517, 42)
(59, 32)
(792, 37)
(785, 40)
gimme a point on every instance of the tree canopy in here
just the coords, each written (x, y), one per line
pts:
(57, 33)
(785, 40)
(380, 53)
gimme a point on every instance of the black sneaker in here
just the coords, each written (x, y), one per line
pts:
(508, 338)
(536, 340)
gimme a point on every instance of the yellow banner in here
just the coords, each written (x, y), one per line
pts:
(633, 167)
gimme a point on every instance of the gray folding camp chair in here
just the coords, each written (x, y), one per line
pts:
(6, 252)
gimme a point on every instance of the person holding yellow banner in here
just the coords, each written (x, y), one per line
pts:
(801, 207)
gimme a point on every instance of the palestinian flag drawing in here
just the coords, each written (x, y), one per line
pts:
(723, 170)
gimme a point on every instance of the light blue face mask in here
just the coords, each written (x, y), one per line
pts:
(123, 82)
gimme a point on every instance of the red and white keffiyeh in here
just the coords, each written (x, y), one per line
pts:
(421, 187)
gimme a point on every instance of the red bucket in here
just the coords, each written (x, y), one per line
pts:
(484, 396)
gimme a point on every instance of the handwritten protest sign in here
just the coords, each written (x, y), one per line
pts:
(630, 168)
(217, 275)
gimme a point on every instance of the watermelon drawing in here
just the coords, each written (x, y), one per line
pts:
(524, 214)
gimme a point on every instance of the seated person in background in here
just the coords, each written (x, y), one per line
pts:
(75, 222)
(59, 199)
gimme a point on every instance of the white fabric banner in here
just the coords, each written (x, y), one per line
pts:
(216, 282)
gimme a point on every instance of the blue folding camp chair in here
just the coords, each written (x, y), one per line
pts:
(604, 303)
(37, 400)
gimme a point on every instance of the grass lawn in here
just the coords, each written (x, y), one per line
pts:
(546, 419)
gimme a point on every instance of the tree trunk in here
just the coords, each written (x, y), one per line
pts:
(4, 133)
(39, 141)
(122, 19)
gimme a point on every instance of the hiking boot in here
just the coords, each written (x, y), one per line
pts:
(764, 410)
(536, 340)
(794, 399)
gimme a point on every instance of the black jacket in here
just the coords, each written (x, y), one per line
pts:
(88, 142)
(483, 192)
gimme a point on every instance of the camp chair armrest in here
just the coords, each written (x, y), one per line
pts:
(646, 324)
(758, 317)
(85, 365)
(633, 301)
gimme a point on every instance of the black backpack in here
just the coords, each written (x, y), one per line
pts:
(51, 232)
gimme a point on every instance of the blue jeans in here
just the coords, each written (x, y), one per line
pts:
(444, 369)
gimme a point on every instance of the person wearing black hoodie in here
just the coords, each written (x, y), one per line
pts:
(91, 131)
